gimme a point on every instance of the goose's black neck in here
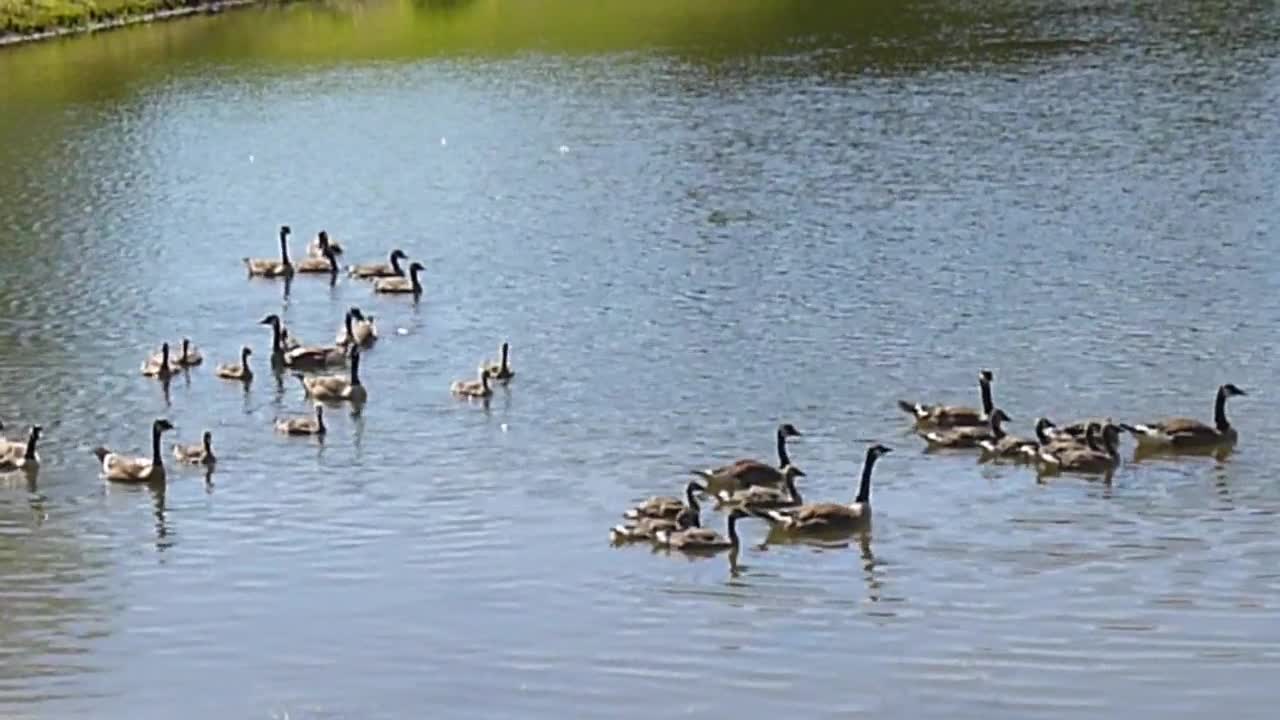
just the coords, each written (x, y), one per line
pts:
(156, 458)
(355, 368)
(284, 247)
(691, 497)
(31, 444)
(783, 459)
(1220, 411)
(997, 430)
(864, 487)
(395, 265)
(987, 403)
(791, 488)
(351, 336)
(1042, 433)
(413, 278)
(506, 349)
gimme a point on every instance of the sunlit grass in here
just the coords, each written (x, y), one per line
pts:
(29, 16)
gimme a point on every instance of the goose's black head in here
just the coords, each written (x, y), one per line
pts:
(1231, 390)
(788, 430)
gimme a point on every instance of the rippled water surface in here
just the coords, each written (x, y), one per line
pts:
(692, 224)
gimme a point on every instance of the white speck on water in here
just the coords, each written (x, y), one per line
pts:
(402, 331)
(251, 159)
(503, 426)
(443, 141)
(564, 149)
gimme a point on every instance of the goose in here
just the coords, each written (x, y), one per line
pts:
(338, 387)
(945, 416)
(278, 347)
(21, 456)
(303, 425)
(830, 517)
(473, 388)
(665, 506)
(263, 267)
(327, 262)
(668, 514)
(702, 539)
(380, 270)
(967, 436)
(320, 243)
(1012, 447)
(501, 368)
(358, 329)
(760, 497)
(401, 285)
(199, 454)
(1182, 432)
(744, 473)
(190, 355)
(1085, 459)
(121, 468)
(234, 371)
(1055, 442)
(160, 365)
(648, 528)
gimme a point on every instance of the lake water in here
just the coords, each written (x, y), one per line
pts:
(693, 222)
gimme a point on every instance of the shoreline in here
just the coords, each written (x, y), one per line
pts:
(203, 8)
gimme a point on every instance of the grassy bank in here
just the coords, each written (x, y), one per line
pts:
(33, 17)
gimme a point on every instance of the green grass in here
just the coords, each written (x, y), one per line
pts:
(30, 16)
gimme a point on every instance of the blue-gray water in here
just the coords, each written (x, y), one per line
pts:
(687, 238)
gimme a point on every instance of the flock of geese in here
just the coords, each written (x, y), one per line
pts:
(758, 489)
(311, 363)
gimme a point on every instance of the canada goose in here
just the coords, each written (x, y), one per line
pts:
(381, 270)
(665, 506)
(327, 262)
(358, 329)
(321, 242)
(338, 387)
(401, 285)
(120, 468)
(761, 497)
(944, 416)
(200, 454)
(21, 456)
(742, 474)
(1012, 447)
(647, 528)
(190, 355)
(1085, 459)
(160, 365)
(501, 368)
(241, 371)
(1053, 443)
(262, 267)
(303, 425)
(278, 347)
(830, 517)
(700, 538)
(473, 388)
(1188, 433)
(967, 436)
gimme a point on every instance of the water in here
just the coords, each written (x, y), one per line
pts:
(691, 225)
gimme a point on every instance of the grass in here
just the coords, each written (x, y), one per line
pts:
(23, 17)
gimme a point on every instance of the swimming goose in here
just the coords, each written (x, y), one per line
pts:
(944, 416)
(357, 328)
(1012, 447)
(199, 454)
(326, 263)
(381, 270)
(763, 497)
(303, 425)
(121, 468)
(1055, 442)
(160, 365)
(338, 387)
(967, 436)
(700, 538)
(741, 474)
(501, 368)
(21, 456)
(648, 528)
(666, 506)
(1085, 459)
(190, 355)
(263, 267)
(401, 285)
(1180, 432)
(321, 242)
(830, 517)
(473, 388)
(241, 372)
